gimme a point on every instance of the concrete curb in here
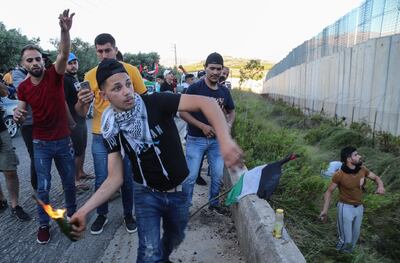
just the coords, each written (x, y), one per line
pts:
(254, 219)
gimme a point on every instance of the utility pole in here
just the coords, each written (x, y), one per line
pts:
(176, 59)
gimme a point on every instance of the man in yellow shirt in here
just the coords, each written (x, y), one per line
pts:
(106, 48)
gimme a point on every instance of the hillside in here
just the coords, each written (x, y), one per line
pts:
(235, 64)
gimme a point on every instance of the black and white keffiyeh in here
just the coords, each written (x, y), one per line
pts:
(135, 128)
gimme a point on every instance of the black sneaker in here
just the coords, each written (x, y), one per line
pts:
(130, 224)
(98, 225)
(3, 205)
(200, 181)
(222, 210)
(20, 213)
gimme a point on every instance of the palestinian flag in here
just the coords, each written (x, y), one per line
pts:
(262, 180)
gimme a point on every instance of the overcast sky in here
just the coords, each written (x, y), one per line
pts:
(264, 29)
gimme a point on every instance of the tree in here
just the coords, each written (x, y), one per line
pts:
(11, 43)
(252, 70)
(144, 59)
(84, 51)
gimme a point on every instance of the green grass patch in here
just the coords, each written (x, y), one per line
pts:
(268, 131)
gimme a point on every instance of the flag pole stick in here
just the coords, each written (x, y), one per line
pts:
(215, 198)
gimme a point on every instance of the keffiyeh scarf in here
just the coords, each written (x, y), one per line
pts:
(134, 127)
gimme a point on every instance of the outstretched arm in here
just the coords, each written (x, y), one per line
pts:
(110, 185)
(230, 151)
(65, 21)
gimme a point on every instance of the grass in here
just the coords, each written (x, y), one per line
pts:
(268, 131)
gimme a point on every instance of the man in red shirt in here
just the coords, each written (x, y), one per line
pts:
(44, 92)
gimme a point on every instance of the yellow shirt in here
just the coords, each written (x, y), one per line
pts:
(99, 103)
(8, 78)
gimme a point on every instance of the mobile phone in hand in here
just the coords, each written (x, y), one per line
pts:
(84, 85)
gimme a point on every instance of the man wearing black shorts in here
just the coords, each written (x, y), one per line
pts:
(77, 123)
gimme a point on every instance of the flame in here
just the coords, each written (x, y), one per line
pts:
(58, 213)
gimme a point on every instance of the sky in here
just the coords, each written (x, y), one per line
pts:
(261, 29)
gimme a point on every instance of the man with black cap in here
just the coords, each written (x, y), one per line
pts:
(201, 137)
(350, 180)
(77, 123)
(143, 128)
(106, 49)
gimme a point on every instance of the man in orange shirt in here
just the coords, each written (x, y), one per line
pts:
(106, 48)
(350, 180)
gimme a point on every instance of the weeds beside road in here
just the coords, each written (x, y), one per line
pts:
(268, 131)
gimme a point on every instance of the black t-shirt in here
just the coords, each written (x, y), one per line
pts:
(71, 88)
(166, 87)
(222, 95)
(161, 109)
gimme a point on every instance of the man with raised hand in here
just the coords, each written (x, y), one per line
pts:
(43, 90)
(143, 128)
(106, 48)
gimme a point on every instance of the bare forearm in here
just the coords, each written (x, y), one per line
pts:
(61, 62)
(82, 108)
(186, 116)
(216, 118)
(109, 186)
(230, 118)
(327, 201)
(65, 44)
(378, 182)
(3, 90)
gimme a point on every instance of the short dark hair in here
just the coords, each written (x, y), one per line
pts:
(119, 56)
(161, 76)
(189, 76)
(30, 47)
(346, 152)
(104, 38)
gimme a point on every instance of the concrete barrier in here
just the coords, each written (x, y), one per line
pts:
(254, 220)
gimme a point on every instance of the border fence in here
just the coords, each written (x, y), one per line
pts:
(350, 69)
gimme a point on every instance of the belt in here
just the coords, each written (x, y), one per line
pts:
(173, 190)
(355, 206)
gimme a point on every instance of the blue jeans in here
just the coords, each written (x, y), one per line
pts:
(195, 148)
(63, 154)
(100, 160)
(150, 207)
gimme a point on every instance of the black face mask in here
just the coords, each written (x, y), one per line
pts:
(221, 79)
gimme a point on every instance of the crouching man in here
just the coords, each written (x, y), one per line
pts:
(143, 128)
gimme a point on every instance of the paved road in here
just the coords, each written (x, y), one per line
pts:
(210, 237)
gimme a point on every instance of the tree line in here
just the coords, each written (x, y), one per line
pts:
(12, 41)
